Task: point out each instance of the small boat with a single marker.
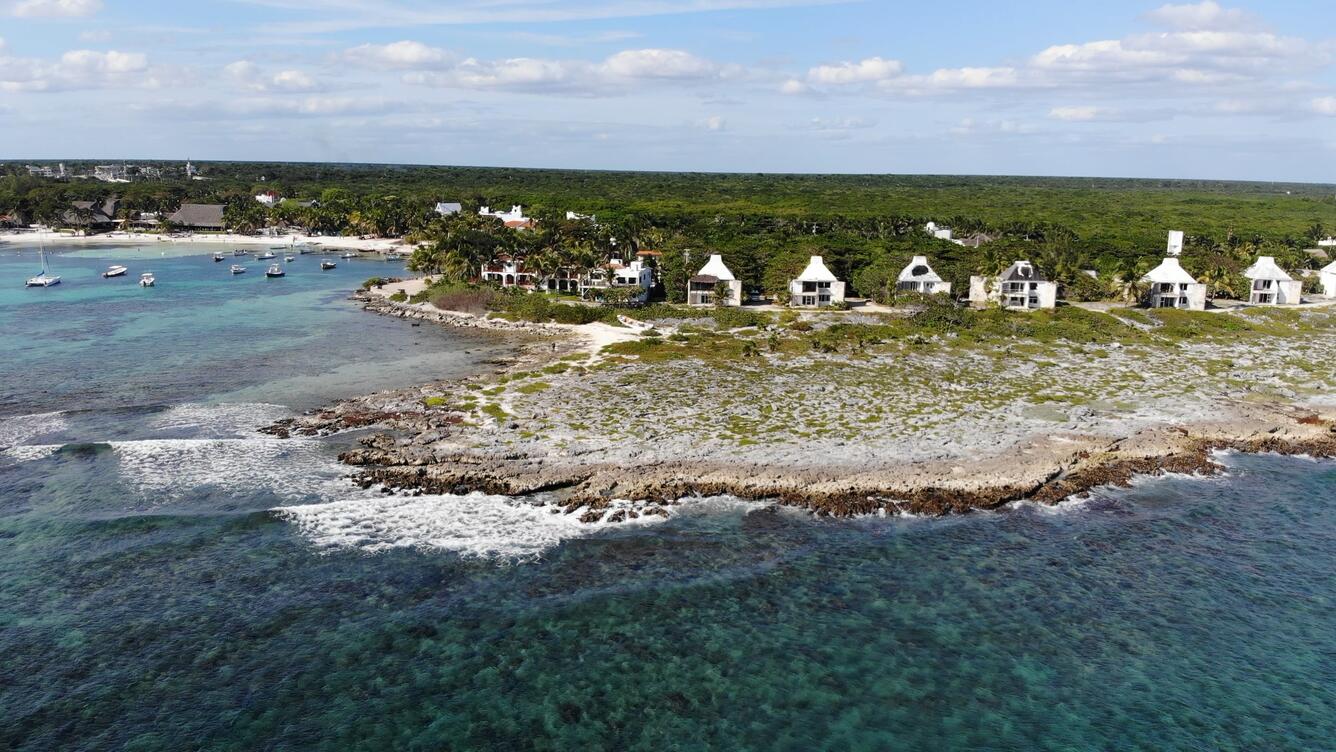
(274, 270)
(238, 269)
(289, 259)
(240, 252)
(264, 256)
(147, 279)
(278, 248)
(114, 271)
(44, 278)
(217, 257)
(327, 264)
(348, 256)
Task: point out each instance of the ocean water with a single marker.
(170, 579)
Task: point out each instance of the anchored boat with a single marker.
(147, 279)
(114, 271)
(238, 269)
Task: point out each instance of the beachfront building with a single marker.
(513, 219)
(508, 272)
(1271, 285)
(816, 287)
(92, 216)
(919, 277)
(1170, 286)
(636, 274)
(448, 208)
(1022, 287)
(714, 283)
(1328, 279)
(207, 217)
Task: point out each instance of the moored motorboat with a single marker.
(238, 269)
(274, 270)
(114, 271)
(327, 264)
(265, 256)
(289, 259)
(348, 255)
(217, 257)
(147, 279)
(240, 252)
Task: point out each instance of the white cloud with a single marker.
(405, 54)
(655, 63)
(250, 77)
(950, 79)
(1324, 105)
(715, 123)
(94, 35)
(76, 69)
(863, 71)
(793, 86)
(1074, 113)
(55, 8)
(1208, 15)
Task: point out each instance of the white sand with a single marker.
(365, 245)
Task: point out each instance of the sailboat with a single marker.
(45, 278)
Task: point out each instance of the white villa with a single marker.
(714, 279)
(1271, 285)
(514, 218)
(1328, 278)
(447, 208)
(919, 277)
(508, 272)
(268, 198)
(1020, 288)
(1172, 287)
(634, 274)
(941, 233)
(816, 287)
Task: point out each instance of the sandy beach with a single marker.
(361, 245)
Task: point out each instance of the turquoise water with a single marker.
(152, 598)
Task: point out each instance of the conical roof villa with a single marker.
(1022, 287)
(1328, 279)
(919, 277)
(714, 284)
(1272, 285)
(1172, 287)
(816, 287)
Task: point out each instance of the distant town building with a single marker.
(513, 219)
(816, 287)
(268, 198)
(1022, 287)
(1172, 287)
(1271, 285)
(945, 233)
(448, 208)
(714, 282)
(46, 171)
(199, 217)
(919, 277)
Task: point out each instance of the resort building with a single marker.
(714, 282)
(447, 208)
(1022, 287)
(92, 215)
(1328, 278)
(1172, 287)
(508, 272)
(617, 274)
(816, 287)
(1271, 285)
(199, 217)
(919, 277)
(513, 219)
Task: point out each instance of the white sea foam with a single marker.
(219, 421)
(290, 468)
(474, 525)
(30, 452)
(1066, 506)
(21, 428)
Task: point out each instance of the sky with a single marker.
(1212, 90)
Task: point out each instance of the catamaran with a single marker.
(45, 278)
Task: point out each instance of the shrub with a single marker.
(399, 297)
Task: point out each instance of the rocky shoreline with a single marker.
(430, 446)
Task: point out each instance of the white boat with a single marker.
(327, 264)
(217, 257)
(115, 271)
(147, 279)
(264, 256)
(348, 256)
(238, 269)
(240, 252)
(45, 278)
(289, 259)
(274, 270)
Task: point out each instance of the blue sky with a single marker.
(1143, 89)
